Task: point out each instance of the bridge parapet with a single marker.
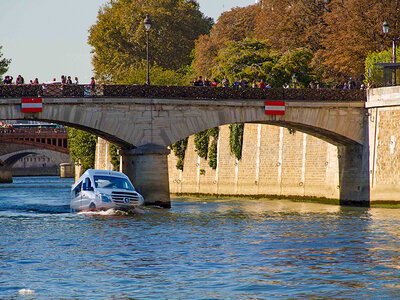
(178, 92)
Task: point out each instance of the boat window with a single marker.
(77, 189)
(110, 182)
(88, 183)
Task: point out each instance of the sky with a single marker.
(48, 38)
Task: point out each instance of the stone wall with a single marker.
(384, 138)
(274, 162)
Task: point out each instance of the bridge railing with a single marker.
(32, 131)
(180, 92)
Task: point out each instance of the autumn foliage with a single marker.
(339, 33)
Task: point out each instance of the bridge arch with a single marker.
(11, 153)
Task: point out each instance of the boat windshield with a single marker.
(110, 182)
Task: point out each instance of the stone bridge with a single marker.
(145, 120)
(11, 152)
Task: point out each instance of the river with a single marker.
(199, 249)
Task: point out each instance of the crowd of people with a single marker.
(244, 83)
(198, 81)
(64, 80)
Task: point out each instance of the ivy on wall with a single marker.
(212, 155)
(114, 157)
(212, 149)
(205, 148)
(201, 140)
(236, 139)
(179, 149)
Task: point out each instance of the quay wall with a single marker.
(384, 141)
(274, 162)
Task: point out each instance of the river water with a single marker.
(199, 249)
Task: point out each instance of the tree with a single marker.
(375, 74)
(119, 39)
(235, 25)
(354, 29)
(82, 148)
(289, 24)
(4, 63)
(255, 60)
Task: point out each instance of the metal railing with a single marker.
(12, 131)
(177, 92)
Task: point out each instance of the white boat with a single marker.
(102, 190)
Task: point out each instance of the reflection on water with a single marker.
(199, 249)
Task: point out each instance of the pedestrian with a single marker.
(286, 86)
(268, 86)
(262, 84)
(244, 83)
(20, 80)
(351, 84)
(236, 83)
(200, 81)
(195, 82)
(36, 81)
(225, 82)
(92, 82)
(69, 80)
(254, 85)
(345, 86)
(214, 83)
(76, 81)
(63, 79)
(207, 82)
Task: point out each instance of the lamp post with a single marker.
(385, 29)
(294, 80)
(147, 25)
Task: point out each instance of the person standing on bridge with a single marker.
(20, 80)
(92, 83)
(76, 81)
(225, 82)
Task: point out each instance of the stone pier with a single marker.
(147, 167)
(6, 174)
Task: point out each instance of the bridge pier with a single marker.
(354, 175)
(6, 174)
(147, 167)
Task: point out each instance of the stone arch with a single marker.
(130, 123)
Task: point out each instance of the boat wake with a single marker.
(112, 212)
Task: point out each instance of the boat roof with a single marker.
(93, 172)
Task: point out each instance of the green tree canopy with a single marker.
(374, 73)
(82, 147)
(119, 39)
(255, 60)
(4, 63)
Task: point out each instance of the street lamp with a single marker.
(294, 80)
(385, 29)
(147, 25)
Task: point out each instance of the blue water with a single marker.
(199, 249)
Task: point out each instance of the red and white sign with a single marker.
(275, 108)
(29, 105)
